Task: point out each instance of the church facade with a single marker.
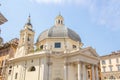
(58, 55)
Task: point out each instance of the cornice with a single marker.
(58, 55)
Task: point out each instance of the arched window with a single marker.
(16, 74)
(32, 68)
(41, 47)
(28, 38)
(58, 21)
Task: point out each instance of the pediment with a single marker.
(89, 51)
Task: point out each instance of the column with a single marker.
(96, 69)
(84, 71)
(79, 71)
(65, 71)
(93, 73)
(87, 72)
(50, 70)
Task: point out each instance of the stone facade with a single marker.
(7, 51)
(58, 55)
(110, 66)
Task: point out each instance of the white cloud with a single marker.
(49, 1)
(59, 1)
(103, 12)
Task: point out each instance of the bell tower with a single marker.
(26, 42)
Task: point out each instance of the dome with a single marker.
(59, 30)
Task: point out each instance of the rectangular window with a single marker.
(103, 62)
(104, 69)
(58, 45)
(117, 60)
(109, 61)
(74, 46)
(110, 68)
(118, 67)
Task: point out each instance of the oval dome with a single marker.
(59, 32)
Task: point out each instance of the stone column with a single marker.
(84, 71)
(66, 71)
(93, 73)
(96, 69)
(50, 70)
(79, 70)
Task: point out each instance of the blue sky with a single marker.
(96, 21)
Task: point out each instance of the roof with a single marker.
(112, 55)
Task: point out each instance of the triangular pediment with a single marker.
(89, 51)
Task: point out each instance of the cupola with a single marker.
(59, 20)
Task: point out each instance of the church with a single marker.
(57, 54)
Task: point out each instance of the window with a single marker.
(28, 39)
(9, 72)
(104, 69)
(16, 74)
(118, 67)
(110, 68)
(103, 62)
(32, 68)
(23, 39)
(61, 22)
(58, 21)
(117, 60)
(74, 46)
(41, 47)
(57, 45)
(10, 67)
(109, 61)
